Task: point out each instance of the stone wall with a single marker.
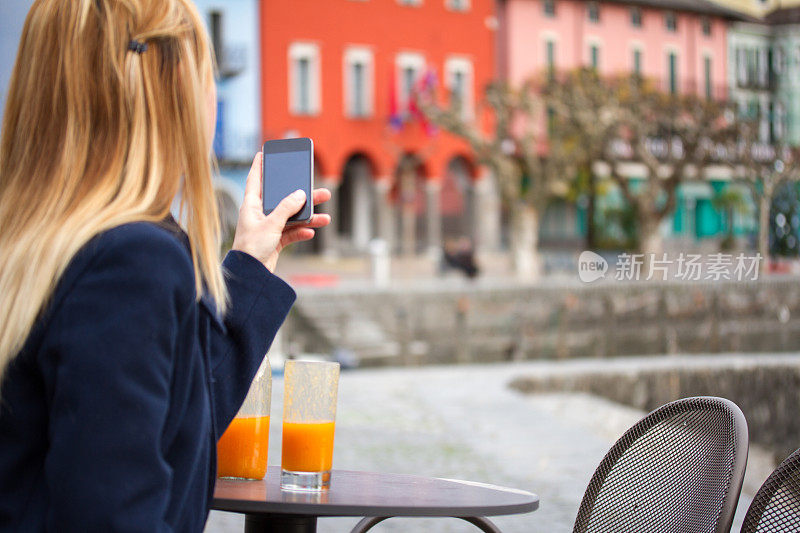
(484, 323)
(767, 389)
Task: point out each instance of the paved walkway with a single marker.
(464, 422)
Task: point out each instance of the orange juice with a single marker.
(307, 446)
(242, 449)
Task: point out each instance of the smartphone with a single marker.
(288, 165)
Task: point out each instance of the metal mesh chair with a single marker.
(678, 470)
(776, 505)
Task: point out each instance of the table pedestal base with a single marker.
(279, 523)
(484, 524)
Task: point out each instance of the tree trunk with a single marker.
(591, 234)
(728, 242)
(763, 231)
(408, 192)
(525, 241)
(650, 240)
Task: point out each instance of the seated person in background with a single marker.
(459, 254)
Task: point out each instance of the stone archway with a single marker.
(356, 217)
(409, 194)
(457, 199)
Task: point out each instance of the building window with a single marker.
(752, 109)
(671, 21)
(410, 67)
(593, 11)
(763, 66)
(672, 67)
(457, 5)
(708, 78)
(765, 110)
(549, 8)
(304, 82)
(773, 126)
(231, 60)
(303, 98)
(751, 66)
(215, 29)
(779, 60)
(797, 58)
(594, 56)
(778, 112)
(550, 58)
(358, 82)
(741, 67)
(637, 61)
(706, 23)
(409, 78)
(357, 90)
(459, 83)
(636, 17)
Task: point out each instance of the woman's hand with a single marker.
(264, 236)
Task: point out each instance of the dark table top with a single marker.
(373, 494)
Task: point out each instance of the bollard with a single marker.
(380, 262)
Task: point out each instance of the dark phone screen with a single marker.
(284, 173)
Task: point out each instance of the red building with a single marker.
(340, 72)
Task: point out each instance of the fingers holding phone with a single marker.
(319, 220)
(276, 211)
(302, 231)
(288, 208)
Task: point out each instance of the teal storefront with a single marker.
(695, 217)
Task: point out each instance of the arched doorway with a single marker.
(409, 197)
(356, 204)
(457, 199)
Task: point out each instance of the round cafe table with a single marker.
(375, 496)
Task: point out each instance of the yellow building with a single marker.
(757, 8)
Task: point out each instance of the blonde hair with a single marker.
(96, 135)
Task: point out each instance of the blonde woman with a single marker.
(126, 347)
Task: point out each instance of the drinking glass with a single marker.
(242, 449)
(309, 416)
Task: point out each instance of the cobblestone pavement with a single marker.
(465, 423)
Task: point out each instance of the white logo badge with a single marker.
(591, 267)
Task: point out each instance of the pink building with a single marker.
(681, 43)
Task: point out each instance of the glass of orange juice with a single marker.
(309, 416)
(242, 449)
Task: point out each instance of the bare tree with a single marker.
(764, 168)
(528, 169)
(407, 178)
(627, 119)
(584, 117)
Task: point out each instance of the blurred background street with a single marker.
(475, 149)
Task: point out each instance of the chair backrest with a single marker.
(776, 505)
(679, 469)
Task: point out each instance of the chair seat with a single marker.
(776, 505)
(679, 469)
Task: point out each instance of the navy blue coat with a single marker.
(111, 412)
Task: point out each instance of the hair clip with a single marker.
(137, 46)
